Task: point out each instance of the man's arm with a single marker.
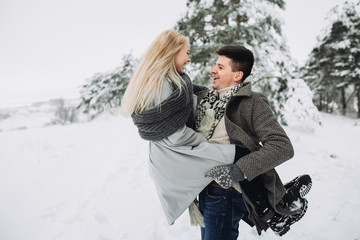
(276, 145)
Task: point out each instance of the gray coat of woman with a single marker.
(178, 161)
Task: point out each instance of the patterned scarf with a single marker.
(210, 101)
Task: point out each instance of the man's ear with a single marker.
(238, 77)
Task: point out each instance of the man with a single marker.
(232, 113)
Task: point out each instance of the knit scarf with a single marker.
(176, 111)
(210, 101)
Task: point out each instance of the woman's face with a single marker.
(182, 58)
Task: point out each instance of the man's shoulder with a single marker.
(257, 95)
(248, 102)
(249, 94)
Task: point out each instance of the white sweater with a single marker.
(220, 135)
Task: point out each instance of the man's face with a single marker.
(223, 75)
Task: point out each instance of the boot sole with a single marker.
(303, 183)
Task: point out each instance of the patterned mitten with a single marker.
(226, 175)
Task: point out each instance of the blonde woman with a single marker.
(160, 99)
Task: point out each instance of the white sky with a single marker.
(49, 47)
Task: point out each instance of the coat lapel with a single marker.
(237, 135)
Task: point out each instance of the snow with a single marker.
(90, 181)
(341, 45)
(299, 109)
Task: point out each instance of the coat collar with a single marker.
(244, 91)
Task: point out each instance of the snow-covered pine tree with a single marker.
(333, 67)
(105, 90)
(211, 24)
(255, 24)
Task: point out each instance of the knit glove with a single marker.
(226, 175)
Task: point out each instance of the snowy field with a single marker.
(90, 181)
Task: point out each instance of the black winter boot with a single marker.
(280, 224)
(297, 188)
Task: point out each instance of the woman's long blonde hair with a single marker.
(157, 63)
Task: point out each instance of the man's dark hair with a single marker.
(242, 59)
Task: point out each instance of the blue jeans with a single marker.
(222, 210)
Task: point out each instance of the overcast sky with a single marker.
(49, 47)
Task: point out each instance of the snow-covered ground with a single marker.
(90, 181)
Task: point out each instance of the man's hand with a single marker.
(226, 175)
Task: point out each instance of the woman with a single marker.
(161, 101)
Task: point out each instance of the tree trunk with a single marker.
(327, 103)
(358, 99)
(343, 100)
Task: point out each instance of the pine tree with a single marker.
(255, 24)
(252, 23)
(334, 63)
(105, 90)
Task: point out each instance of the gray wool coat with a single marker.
(250, 121)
